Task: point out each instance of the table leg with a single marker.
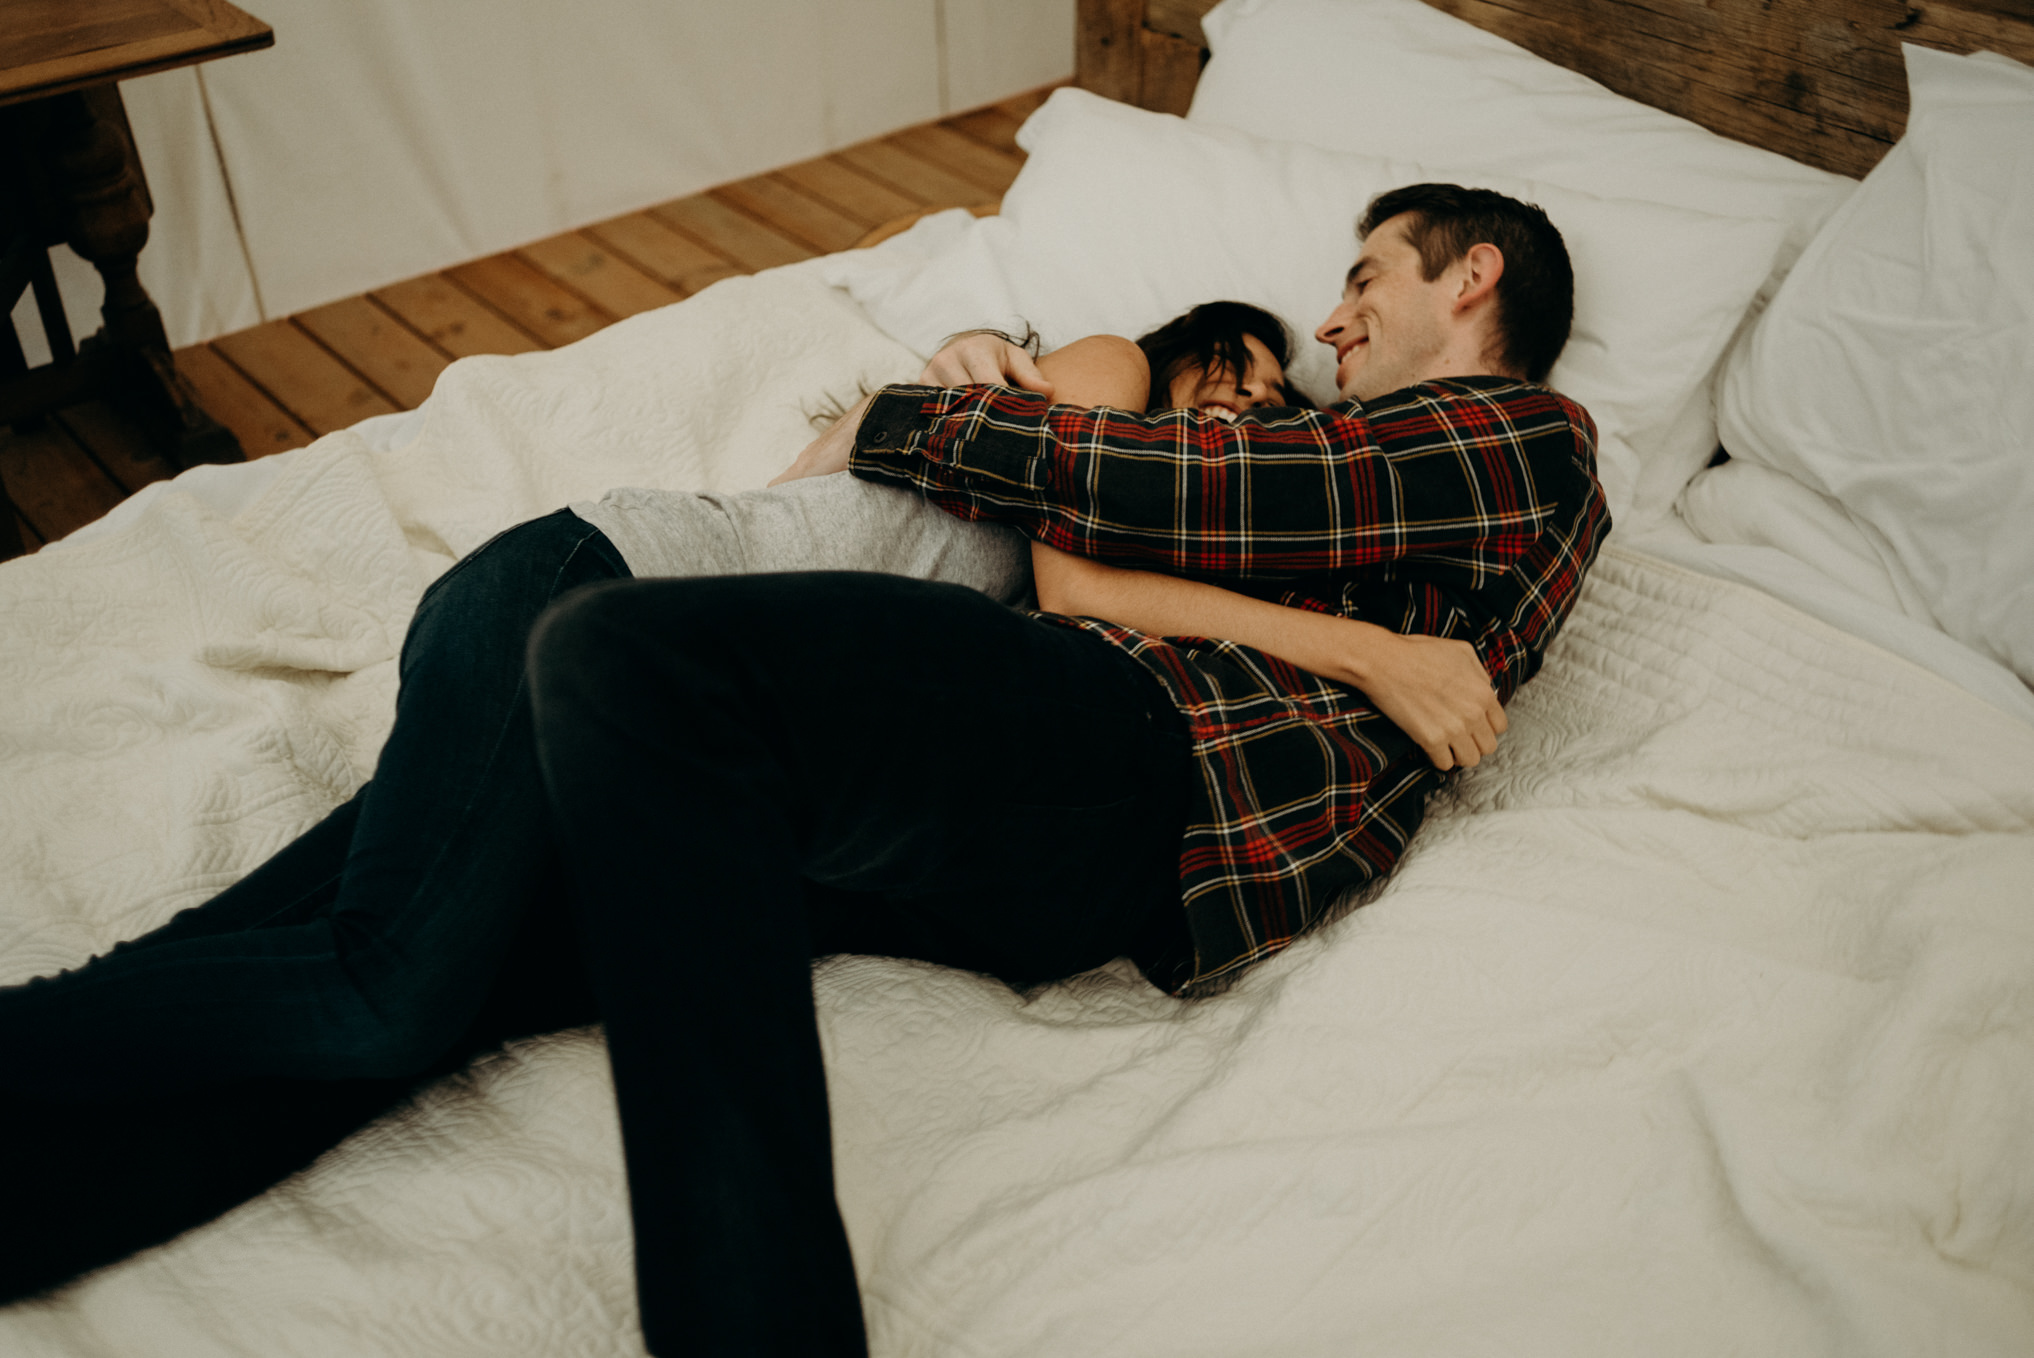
(103, 205)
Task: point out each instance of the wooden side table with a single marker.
(69, 173)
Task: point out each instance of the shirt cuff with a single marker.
(894, 429)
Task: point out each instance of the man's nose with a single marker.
(1329, 329)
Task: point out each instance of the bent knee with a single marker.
(580, 622)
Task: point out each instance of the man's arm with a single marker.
(972, 358)
(1439, 476)
(1435, 689)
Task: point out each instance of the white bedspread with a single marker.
(1699, 1020)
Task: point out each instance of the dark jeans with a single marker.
(747, 771)
(737, 775)
(368, 945)
(419, 923)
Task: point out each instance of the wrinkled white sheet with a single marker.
(1699, 1020)
(191, 682)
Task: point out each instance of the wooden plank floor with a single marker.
(280, 385)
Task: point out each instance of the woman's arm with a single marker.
(1433, 688)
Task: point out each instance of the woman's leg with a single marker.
(1012, 790)
(366, 949)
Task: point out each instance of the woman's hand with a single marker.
(976, 358)
(982, 357)
(829, 452)
(1432, 688)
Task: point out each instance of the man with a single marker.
(747, 772)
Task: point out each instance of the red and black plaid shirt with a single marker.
(1464, 508)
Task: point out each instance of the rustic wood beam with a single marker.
(1821, 81)
(1171, 67)
(1108, 59)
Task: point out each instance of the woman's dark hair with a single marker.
(1211, 337)
(1536, 291)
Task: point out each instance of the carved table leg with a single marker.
(103, 203)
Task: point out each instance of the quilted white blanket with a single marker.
(1699, 1020)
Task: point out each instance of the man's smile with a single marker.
(1344, 349)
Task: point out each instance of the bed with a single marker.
(1699, 1019)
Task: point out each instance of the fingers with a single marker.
(984, 360)
(974, 368)
(1479, 739)
(1438, 692)
(969, 360)
(1025, 373)
(1466, 742)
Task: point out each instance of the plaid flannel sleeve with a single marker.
(1297, 493)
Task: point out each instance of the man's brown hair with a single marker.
(1535, 293)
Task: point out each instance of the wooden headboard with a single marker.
(1818, 80)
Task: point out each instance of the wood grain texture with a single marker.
(603, 277)
(262, 426)
(897, 226)
(992, 126)
(680, 262)
(928, 184)
(302, 376)
(220, 19)
(122, 451)
(539, 304)
(790, 211)
(33, 31)
(1171, 68)
(453, 319)
(730, 232)
(1107, 58)
(399, 362)
(53, 485)
(54, 46)
(983, 166)
(832, 180)
(1821, 81)
(1179, 19)
(1022, 106)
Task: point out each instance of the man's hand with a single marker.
(1435, 690)
(829, 452)
(980, 358)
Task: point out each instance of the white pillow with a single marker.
(1742, 504)
(1894, 372)
(1399, 78)
(1122, 218)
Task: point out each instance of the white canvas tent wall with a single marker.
(380, 139)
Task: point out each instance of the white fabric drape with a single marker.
(380, 139)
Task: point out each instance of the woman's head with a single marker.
(1222, 358)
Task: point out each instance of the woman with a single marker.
(1221, 358)
(418, 924)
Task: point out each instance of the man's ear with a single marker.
(1476, 275)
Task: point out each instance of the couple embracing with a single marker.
(654, 754)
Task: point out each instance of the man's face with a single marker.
(1392, 325)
